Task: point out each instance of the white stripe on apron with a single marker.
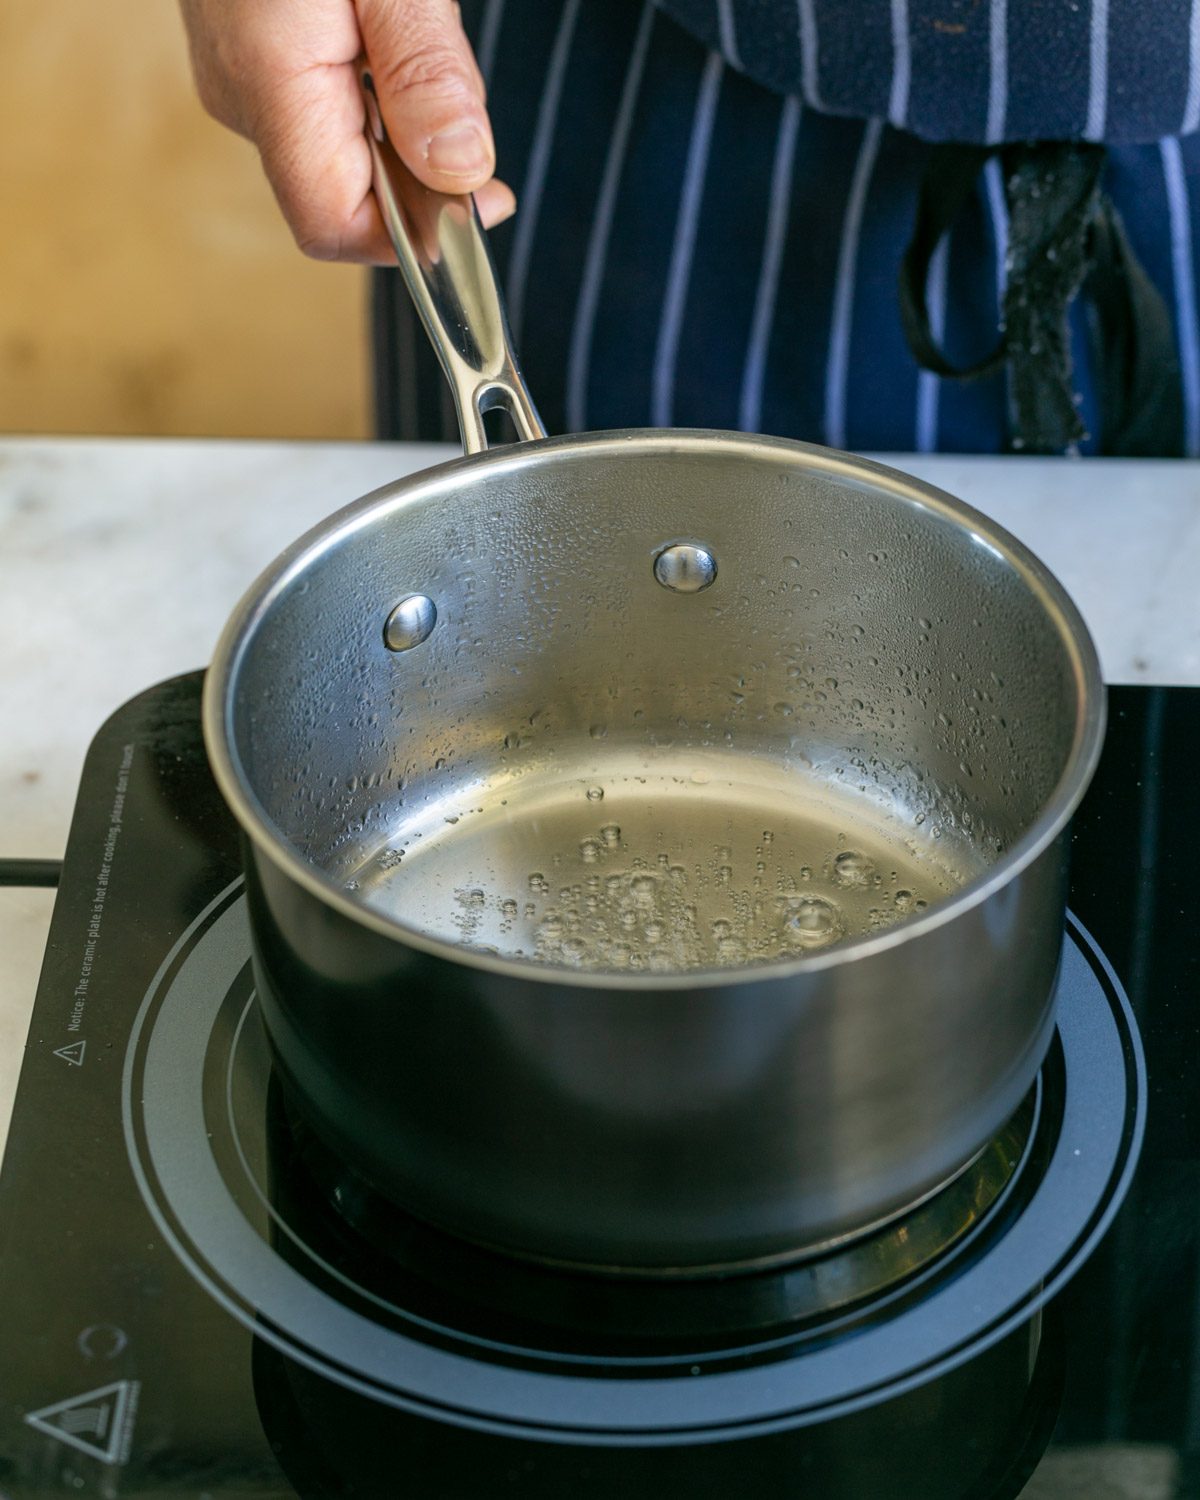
(1191, 109)
(728, 32)
(838, 358)
(535, 175)
(489, 35)
(1184, 275)
(694, 173)
(928, 384)
(901, 64)
(753, 372)
(1097, 113)
(993, 182)
(998, 74)
(579, 357)
(810, 53)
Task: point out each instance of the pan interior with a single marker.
(868, 674)
(667, 862)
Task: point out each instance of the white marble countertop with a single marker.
(120, 559)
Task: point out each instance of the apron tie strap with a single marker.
(1064, 235)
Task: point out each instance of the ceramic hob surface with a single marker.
(199, 1301)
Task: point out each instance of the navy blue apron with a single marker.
(715, 199)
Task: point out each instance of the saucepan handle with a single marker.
(445, 263)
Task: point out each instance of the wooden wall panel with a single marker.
(147, 282)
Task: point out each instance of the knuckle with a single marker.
(320, 246)
(436, 67)
(316, 235)
(315, 228)
(249, 55)
(320, 228)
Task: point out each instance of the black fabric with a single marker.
(1064, 235)
(948, 185)
(411, 398)
(1140, 388)
(385, 356)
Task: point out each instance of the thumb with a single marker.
(430, 91)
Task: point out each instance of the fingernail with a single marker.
(461, 150)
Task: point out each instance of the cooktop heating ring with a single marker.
(776, 1383)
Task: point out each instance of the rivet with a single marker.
(685, 568)
(410, 622)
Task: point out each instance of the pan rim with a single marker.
(269, 839)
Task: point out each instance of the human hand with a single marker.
(281, 72)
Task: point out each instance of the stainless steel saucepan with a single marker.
(655, 841)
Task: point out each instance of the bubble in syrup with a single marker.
(644, 888)
(814, 923)
(645, 895)
(595, 794)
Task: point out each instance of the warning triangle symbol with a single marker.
(72, 1054)
(98, 1422)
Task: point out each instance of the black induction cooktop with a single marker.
(198, 1300)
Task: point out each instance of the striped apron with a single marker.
(714, 197)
